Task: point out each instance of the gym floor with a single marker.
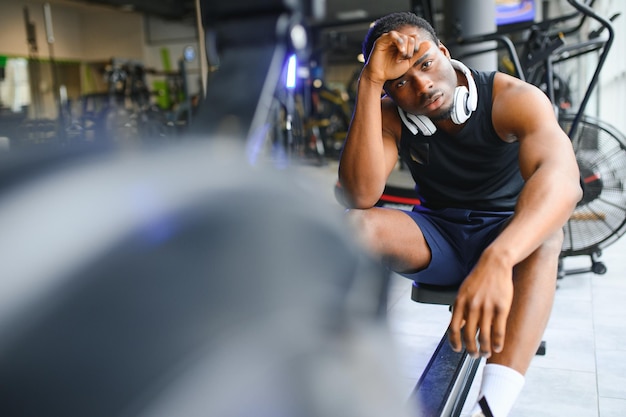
(582, 374)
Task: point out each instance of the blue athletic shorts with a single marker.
(456, 238)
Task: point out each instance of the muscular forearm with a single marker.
(362, 168)
(370, 151)
(544, 206)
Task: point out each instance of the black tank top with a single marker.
(473, 169)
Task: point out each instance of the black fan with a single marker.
(600, 217)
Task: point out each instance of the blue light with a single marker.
(291, 72)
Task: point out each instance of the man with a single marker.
(497, 178)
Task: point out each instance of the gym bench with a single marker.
(445, 382)
(443, 387)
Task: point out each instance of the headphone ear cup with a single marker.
(425, 125)
(460, 107)
(464, 101)
(417, 123)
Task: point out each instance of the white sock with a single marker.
(500, 386)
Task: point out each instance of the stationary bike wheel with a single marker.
(600, 217)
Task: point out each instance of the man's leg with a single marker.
(534, 281)
(392, 236)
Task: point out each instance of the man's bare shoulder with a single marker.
(509, 86)
(519, 107)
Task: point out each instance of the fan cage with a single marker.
(600, 217)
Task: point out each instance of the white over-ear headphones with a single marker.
(464, 103)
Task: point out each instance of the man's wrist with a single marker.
(371, 81)
(499, 256)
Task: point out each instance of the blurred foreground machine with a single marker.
(182, 281)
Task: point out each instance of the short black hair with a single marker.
(395, 21)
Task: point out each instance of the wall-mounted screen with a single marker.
(515, 12)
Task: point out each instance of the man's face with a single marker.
(427, 88)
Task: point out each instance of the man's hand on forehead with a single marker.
(408, 45)
(421, 48)
(394, 54)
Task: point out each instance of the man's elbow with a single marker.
(571, 192)
(362, 204)
(571, 185)
(354, 200)
(577, 191)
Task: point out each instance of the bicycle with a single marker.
(331, 115)
(291, 136)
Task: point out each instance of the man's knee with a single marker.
(364, 223)
(545, 257)
(553, 244)
(381, 231)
